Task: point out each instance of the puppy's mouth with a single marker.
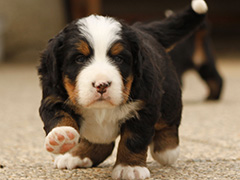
(103, 99)
(101, 102)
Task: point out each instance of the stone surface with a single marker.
(209, 133)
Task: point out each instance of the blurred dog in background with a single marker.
(196, 52)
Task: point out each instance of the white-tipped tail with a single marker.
(199, 6)
(168, 13)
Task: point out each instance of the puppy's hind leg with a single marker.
(165, 145)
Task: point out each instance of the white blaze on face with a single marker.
(100, 32)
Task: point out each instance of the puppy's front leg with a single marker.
(132, 152)
(60, 126)
(84, 154)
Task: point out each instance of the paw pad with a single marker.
(61, 139)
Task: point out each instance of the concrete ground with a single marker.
(210, 131)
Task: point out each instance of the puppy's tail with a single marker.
(177, 26)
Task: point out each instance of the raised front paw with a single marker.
(61, 139)
(70, 162)
(130, 172)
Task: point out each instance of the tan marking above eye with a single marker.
(83, 48)
(116, 48)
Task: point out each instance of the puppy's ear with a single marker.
(130, 36)
(50, 66)
(138, 64)
(137, 57)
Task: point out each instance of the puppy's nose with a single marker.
(101, 87)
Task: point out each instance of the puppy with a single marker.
(102, 78)
(195, 52)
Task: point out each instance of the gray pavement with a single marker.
(210, 131)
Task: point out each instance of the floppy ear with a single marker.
(50, 66)
(138, 64)
(137, 57)
(130, 36)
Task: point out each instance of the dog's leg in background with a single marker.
(208, 71)
(210, 75)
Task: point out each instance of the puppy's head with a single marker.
(94, 61)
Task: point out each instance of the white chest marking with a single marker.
(103, 125)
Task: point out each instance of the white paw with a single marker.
(70, 162)
(61, 139)
(167, 157)
(130, 172)
(199, 6)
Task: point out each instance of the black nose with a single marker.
(101, 87)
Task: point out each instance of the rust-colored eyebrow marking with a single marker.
(83, 48)
(116, 48)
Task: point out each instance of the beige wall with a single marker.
(28, 24)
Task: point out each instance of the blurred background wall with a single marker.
(27, 25)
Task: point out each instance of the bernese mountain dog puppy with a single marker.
(195, 52)
(102, 78)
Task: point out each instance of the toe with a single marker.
(53, 142)
(49, 148)
(66, 147)
(70, 135)
(60, 137)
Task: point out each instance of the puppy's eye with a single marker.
(118, 59)
(81, 58)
